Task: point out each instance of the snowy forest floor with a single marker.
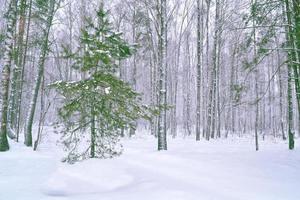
(216, 170)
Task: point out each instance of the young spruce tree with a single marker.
(97, 108)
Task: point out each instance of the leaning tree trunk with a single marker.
(4, 146)
(41, 65)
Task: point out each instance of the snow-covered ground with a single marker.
(216, 170)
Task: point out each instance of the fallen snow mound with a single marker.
(86, 178)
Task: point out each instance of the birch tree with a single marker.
(162, 97)
(291, 56)
(5, 78)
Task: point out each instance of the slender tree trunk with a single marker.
(209, 106)
(199, 68)
(256, 123)
(134, 75)
(187, 96)
(232, 86)
(281, 104)
(220, 13)
(290, 111)
(280, 85)
(93, 134)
